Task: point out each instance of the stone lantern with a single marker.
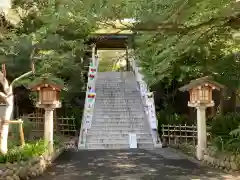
(49, 99)
(200, 92)
(48, 95)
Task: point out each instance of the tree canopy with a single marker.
(174, 40)
(51, 34)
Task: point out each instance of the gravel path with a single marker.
(161, 164)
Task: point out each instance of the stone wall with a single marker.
(28, 169)
(226, 161)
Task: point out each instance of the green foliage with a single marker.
(15, 132)
(51, 33)
(172, 118)
(165, 117)
(24, 153)
(223, 125)
(230, 144)
(225, 132)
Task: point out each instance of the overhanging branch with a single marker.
(20, 77)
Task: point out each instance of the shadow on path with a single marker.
(161, 164)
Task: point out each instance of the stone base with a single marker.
(29, 169)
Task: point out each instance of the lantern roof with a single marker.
(201, 81)
(44, 83)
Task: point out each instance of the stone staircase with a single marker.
(118, 112)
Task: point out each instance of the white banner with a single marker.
(143, 88)
(91, 80)
(151, 110)
(89, 109)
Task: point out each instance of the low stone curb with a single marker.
(31, 168)
(224, 162)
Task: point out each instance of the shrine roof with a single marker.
(201, 81)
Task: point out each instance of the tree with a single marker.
(56, 32)
(8, 97)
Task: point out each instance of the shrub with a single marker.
(15, 134)
(225, 131)
(24, 153)
(223, 125)
(164, 117)
(170, 118)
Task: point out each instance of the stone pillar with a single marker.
(48, 129)
(201, 131)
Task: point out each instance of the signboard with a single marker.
(91, 81)
(132, 140)
(90, 101)
(87, 121)
(143, 88)
(151, 110)
(89, 109)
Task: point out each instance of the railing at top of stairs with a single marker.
(89, 101)
(149, 105)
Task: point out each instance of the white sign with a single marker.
(88, 110)
(91, 81)
(91, 97)
(87, 121)
(143, 88)
(151, 110)
(132, 140)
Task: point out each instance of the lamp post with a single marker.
(49, 99)
(200, 92)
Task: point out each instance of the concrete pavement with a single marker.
(132, 164)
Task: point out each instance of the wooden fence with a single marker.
(62, 125)
(179, 134)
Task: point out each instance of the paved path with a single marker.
(161, 164)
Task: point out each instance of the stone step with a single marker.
(109, 112)
(118, 123)
(117, 107)
(126, 106)
(116, 102)
(117, 126)
(118, 110)
(117, 135)
(120, 131)
(117, 96)
(106, 99)
(121, 105)
(115, 118)
(118, 117)
(117, 146)
(103, 97)
(117, 89)
(116, 141)
(97, 121)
